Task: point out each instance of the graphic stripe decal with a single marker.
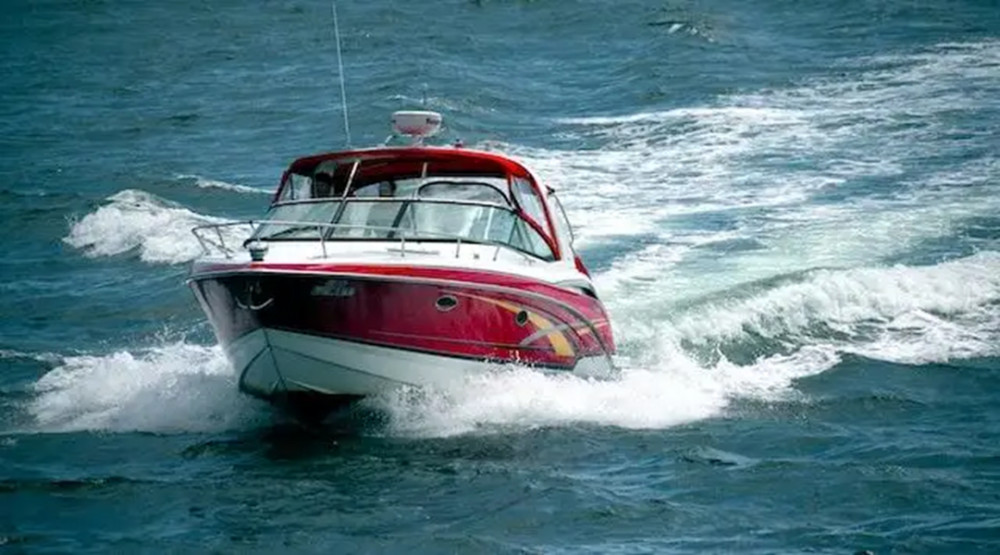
(560, 344)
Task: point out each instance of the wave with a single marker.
(677, 391)
(205, 183)
(825, 173)
(176, 387)
(133, 220)
(180, 387)
(899, 313)
(802, 157)
(837, 297)
(757, 343)
(794, 328)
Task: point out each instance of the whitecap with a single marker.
(175, 387)
(134, 220)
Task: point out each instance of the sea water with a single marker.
(791, 212)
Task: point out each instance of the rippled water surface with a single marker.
(792, 212)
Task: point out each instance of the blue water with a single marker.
(792, 211)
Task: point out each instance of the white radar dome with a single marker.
(416, 123)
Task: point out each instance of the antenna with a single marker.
(340, 66)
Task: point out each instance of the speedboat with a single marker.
(399, 265)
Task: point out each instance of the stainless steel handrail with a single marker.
(422, 200)
(401, 233)
(221, 245)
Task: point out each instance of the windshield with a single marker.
(427, 209)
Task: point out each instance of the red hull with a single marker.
(460, 313)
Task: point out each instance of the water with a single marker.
(791, 212)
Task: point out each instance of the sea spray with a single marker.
(175, 387)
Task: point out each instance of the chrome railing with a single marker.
(204, 235)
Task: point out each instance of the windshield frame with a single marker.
(395, 232)
(427, 162)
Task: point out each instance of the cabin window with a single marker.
(296, 187)
(528, 200)
(476, 223)
(327, 182)
(323, 181)
(466, 189)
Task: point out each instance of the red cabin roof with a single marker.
(454, 158)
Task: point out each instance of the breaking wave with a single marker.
(133, 220)
(177, 387)
(898, 313)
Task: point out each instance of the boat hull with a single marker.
(276, 362)
(341, 331)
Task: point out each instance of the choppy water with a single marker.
(791, 210)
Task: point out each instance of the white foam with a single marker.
(919, 337)
(900, 313)
(205, 183)
(772, 151)
(908, 314)
(176, 387)
(158, 229)
(755, 163)
(673, 391)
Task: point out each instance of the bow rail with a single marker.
(323, 230)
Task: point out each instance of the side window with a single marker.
(529, 201)
(525, 237)
(296, 187)
(562, 222)
(327, 181)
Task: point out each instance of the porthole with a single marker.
(446, 303)
(521, 318)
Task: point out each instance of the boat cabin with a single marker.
(418, 193)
